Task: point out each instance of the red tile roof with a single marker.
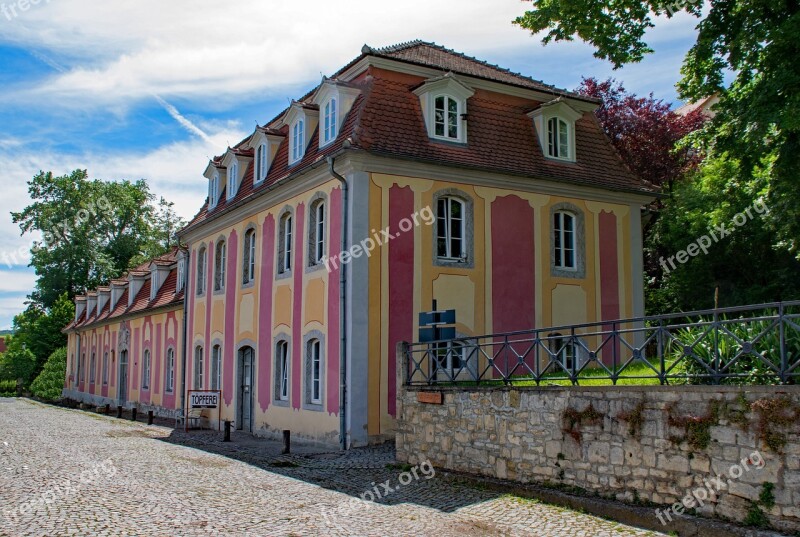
(386, 120)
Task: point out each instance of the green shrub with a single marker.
(50, 382)
(765, 340)
(8, 388)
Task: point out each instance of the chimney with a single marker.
(80, 306)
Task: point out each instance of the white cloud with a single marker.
(16, 281)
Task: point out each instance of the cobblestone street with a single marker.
(68, 472)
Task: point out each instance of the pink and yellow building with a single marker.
(126, 342)
(504, 201)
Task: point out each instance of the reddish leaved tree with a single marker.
(645, 131)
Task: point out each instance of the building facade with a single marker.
(412, 174)
(451, 180)
(124, 346)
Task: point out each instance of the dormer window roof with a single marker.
(555, 126)
(235, 162)
(264, 142)
(444, 107)
(212, 173)
(334, 99)
(302, 119)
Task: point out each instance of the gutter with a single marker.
(342, 311)
(186, 291)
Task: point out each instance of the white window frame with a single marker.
(283, 370)
(233, 173)
(216, 367)
(202, 267)
(448, 353)
(315, 362)
(447, 98)
(146, 357)
(93, 365)
(249, 257)
(447, 224)
(298, 140)
(213, 191)
(220, 262)
(316, 230)
(170, 380)
(198, 368)
(561, 245)
(261, 162)
(181, 274)
(562, 137)
(330, 121)
(285, 243)
(105, 368)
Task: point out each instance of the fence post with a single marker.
(782, 330)
(403, 363)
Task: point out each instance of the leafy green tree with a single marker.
(758, 116)
(17, 363)
(50, 382)
(92, 231)
(40, 331)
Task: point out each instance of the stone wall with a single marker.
(659, 444)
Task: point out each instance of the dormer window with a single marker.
(555, 126)
(233, 174)
(558, 138)
(261, 162)
(213, 191)
(329, 131)
(298, 141)
(444, 107)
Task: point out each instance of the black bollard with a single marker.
(119, 411)
(133, 414)
(227, 431)
(108, 409)
(287, 442)
(149, 417)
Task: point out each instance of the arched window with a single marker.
(82, 367)
(450, 228)
(105, 367)
(92, 368)
(170, 376)
(316, 231)
(198, 368)
(298, 141)
(202, 261)
(219, 266)
(249, 257)
(282, 370)
(261, 163)
(446, 117)
(558, 138)
(329, 131)
(564, 240)
(285, 244)
(233, 177)
(216, 367)
(146, 370)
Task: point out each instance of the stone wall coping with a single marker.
(681, 388)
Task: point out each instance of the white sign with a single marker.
(204, 399)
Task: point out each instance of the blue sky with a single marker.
(142, 89)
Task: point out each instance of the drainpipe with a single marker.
(186, 291)
(342, 313)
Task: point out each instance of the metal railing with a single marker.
(756, 344)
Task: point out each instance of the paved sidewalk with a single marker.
(67, 472)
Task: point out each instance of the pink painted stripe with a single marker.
(135, 362)
(209, 304)
(170, 398)
(513, 275)
(401, 284)
(609, 276)
(297, 309)
(231, 276)
(157, 386)
(189, 344)
(265, 314)
(334, 336)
